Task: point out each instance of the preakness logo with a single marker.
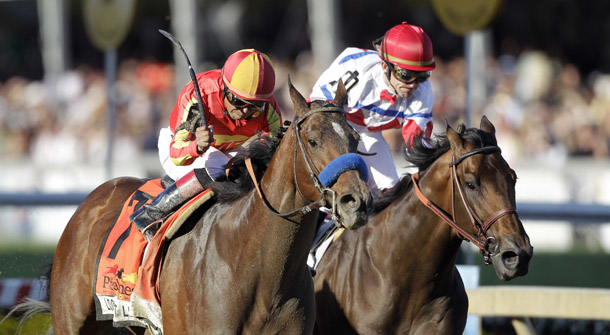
(120, 283)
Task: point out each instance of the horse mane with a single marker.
(260, 153)
(424, 154)
(239, 182)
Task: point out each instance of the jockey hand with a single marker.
(258, 136)
(205, 137)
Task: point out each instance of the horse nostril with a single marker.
(510, 259)
(349, 201)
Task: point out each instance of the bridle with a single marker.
(324, 191)
(481, 240)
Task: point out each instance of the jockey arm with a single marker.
(418, 117)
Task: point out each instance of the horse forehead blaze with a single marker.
(338, 129)
(332, 129)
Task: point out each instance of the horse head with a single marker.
(327, 146)
(486, 184)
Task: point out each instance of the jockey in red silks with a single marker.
(238, 104)
(387, 88)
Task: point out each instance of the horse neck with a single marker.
(292, 235)
(278, 182)
(419, 238)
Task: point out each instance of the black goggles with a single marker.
(240, 103)
(408, 76)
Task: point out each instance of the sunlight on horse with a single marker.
(237, 266)
(397, 275)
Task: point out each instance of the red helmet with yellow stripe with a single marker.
(408, 47)
(248, 73)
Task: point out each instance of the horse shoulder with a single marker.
(446, 312)
(340, 277)
(207, 250)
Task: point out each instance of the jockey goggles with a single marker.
(257, 106)
(409, 76)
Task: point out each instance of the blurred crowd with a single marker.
(542, 109)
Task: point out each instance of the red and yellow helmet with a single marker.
(248, 73)
(408, 47)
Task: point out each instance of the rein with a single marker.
(313, 173)
(481, 240)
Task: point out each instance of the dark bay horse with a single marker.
(241, 269)
(397, 274)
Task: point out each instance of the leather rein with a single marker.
(481, 240)
(313, 173)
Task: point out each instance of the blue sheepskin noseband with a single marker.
(350, 161)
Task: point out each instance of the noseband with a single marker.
(345, 162)
(481, 240)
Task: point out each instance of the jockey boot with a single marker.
(148, 218)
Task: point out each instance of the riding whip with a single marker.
(175, 41)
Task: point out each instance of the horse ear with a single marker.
(454, 138)
(487, 126)
(300, 104)
(341, 95)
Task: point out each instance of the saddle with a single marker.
(126, 284)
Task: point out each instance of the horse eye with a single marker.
(312, 143)
(471, 186)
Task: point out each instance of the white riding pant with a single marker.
(214, 160)
(382, 172)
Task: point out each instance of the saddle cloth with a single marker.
(127, 268)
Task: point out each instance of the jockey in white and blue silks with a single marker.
(387, 89)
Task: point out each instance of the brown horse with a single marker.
(241, 268)
(397, 274)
